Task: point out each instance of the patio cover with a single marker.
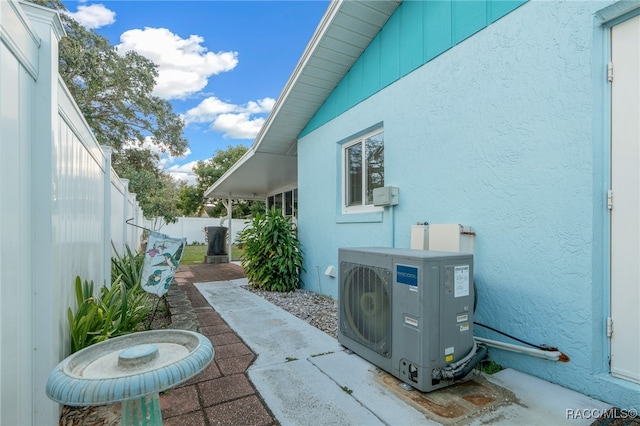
(346, 29)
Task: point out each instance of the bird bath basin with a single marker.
(131, 369)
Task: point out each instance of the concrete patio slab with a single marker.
(306, 377)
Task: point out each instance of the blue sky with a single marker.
(222, 64)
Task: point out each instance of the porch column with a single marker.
(229, 208)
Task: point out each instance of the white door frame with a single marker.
(625, 201)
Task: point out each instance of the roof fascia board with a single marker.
(325, 23)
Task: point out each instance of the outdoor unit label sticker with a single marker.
(461, 281)
(407, 275)
(448, 354)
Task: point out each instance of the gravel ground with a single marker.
(319, 311)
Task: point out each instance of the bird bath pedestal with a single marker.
(131, 369)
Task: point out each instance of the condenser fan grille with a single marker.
(366, 307)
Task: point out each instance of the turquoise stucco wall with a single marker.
(504, 132)
(415, 34)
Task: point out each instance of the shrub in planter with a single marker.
(272, 258)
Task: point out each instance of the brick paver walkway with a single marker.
(222, 394)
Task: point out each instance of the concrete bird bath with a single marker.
(131, 369)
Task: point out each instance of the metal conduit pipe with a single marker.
(549, 355)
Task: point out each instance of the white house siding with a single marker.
(55, 211)
(504, 132)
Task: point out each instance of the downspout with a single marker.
(393, 225)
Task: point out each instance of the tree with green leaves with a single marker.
(114, 93)
(208, 172)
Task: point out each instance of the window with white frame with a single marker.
(363, 170)
(286, 201)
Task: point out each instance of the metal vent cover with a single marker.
(365, 314)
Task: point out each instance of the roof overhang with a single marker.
(345, 31)
(255, 176)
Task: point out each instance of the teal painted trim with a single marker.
(469, 17)
(341, 97)
(498, 9)
(601, 134)
(601, 261)
(356, 86)
(412, 36)
(437, 28)
(416, 33)
(390, 51)
(371, 62)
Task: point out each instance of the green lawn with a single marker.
(195, 254)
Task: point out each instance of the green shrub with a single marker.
(272, 258)
(127, 268)
(119, 310)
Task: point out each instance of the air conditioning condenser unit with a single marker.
(410, 312)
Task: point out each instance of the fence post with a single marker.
(125, 211)
(44, 286)
(107, 214)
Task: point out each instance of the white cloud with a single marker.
(183, 172)
(237, 126)
(184, 65)
(234, 121)
(93, 16)
(263, 105)
(208, 110)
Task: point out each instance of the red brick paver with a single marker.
(222, 394)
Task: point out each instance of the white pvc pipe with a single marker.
(550, 355)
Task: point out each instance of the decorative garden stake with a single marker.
(131, 369)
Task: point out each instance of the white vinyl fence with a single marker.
(61, 206)
(192, 228)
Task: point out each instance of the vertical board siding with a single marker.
(370, 60)
(468, 17)
(356, 76)
(193, 228)
(390, 52)
(16, 89)
(78, 206)
(437, 28)
(117, 213)
(500, 8)
(411, 34)
(50, 163)
(416, 33)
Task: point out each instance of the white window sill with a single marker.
(364, 217)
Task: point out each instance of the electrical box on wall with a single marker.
(385, 196)
(442, 237)
(420, 236)
(451, 237)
